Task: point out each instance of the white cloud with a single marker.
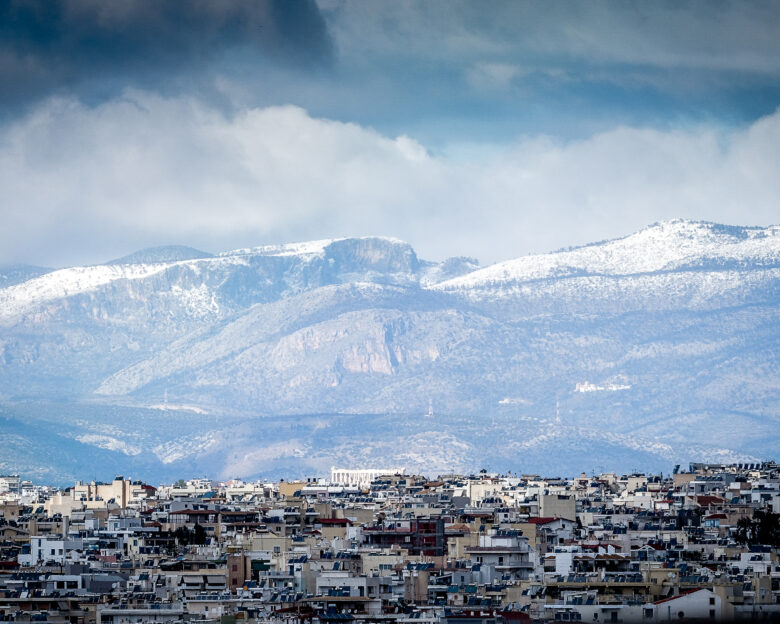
(81, 184)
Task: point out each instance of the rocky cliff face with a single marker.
(662, 344)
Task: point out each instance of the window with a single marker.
(712, 600)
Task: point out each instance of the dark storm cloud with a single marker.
(497, 68)
(96, 46)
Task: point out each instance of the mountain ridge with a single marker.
(166, 253)
(677, 233)
(667, 328)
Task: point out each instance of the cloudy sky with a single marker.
(485, 128)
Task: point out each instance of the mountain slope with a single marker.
(673, 246)
(18, 273)
(666, 341)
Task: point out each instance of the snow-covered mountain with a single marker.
(298, 356)
(16, 273)
(673, 265)
(664, 247)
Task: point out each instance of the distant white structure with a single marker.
(10, 484)
(589, 387)
(345, 476)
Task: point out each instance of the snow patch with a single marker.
(586, 386)
(175, 450)
(178, 408)
(514, 401)
(109, 443)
